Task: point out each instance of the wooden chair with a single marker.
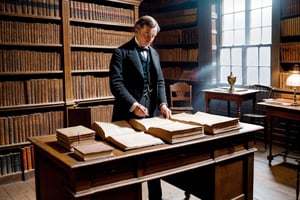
(258, 114)
(181, 97)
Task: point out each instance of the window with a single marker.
(245, 43)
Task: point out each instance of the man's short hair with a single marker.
(148, 21)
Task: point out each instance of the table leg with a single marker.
(207, 105)
(238, 104)
(228, 108)
(269, 125)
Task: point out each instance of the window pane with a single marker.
(225, 57)
(227, 38)
(252, 56)
(237, 71)
(239, 20)
(265, 76)
(239, 5)
(227, 6)
(255, 4)
(239, 37)
(225, 71)
(236, 37)
(255, 18)
(266, 3)
(265, 56)
(267, 16)
(255, 36)
(236, 56)
(228, 22)
(252, 75)
(266, 37)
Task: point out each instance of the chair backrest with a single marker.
(181, 94)
(265, 92)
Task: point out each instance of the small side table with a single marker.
(238, 95)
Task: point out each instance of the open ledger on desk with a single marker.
(213, 124)
(134, 134)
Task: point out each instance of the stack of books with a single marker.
(74, 135)
(93, 150)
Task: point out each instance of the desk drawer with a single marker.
(173, 158)
(97, 175)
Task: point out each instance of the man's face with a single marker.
(146, 35)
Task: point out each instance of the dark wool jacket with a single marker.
(127, 82)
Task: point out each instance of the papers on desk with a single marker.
(279, 101)
(226, 89)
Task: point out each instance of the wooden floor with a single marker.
(276, 182)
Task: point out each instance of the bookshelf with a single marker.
(289, 40)
(186, 42)
(54, 56)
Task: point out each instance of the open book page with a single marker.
(163, 125)
(123, 135)
(105, 129)
(132, 141)
(213, 124)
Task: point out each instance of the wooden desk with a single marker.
(238, 96)
(221, 167)
(281, 111)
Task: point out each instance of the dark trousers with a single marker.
(154, 189)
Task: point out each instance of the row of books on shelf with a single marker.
(179, 54)
(93, 11)
(184, 16)
(289, 52)
(137, 133)
(97, 36)
(17, 161)
(31, 7)
(16, 129)
(290, 8)
(89, 60)
(185, 35)
(29, 61)
(90, 86)
(164, 3)
(33, 91)
(23, 32)
(10, 163)
(179, 74)
(173, 72)
(290, 26)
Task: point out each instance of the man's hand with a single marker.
(167, 113)
(141, 111)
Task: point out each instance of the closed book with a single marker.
(93, 150)
(74, 135)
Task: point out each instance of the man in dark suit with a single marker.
(137, 82)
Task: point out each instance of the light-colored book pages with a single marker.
(123, 135)
(132, 141)
(163, 125)
(211, 119)
(145, 123)
(106, 129)
(212, 123)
